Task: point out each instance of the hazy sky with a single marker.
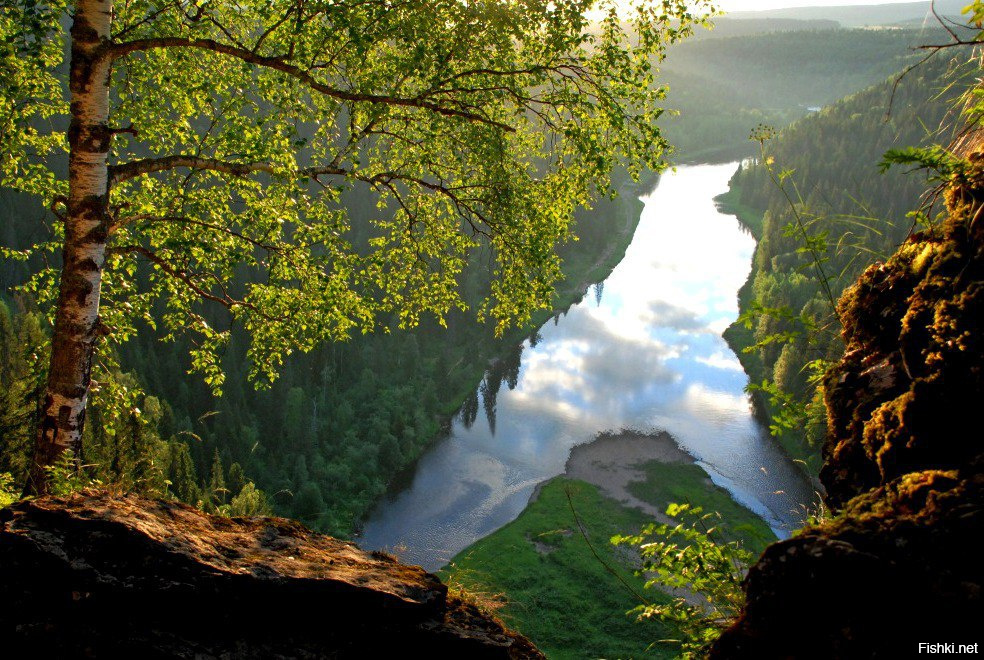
(752, 5)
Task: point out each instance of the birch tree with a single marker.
(209, 141)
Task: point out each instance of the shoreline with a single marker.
(568, 294)
(612, 461)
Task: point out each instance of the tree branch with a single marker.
(281, 63)
(181, 275)
(178, 219)
(120, 173)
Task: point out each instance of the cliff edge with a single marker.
(100, 576)
(896, 565)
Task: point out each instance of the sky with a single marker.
(753, 5)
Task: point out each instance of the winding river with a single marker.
(644, 352)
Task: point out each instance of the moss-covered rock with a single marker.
(905, 396)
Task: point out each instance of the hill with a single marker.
(857, 213)
(860, 15)
(723, 87)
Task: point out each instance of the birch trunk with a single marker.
(86, 229)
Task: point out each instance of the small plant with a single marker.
(814, 514)
(66, 476)
(697, 563)
(251, 501)
(8, 494)
(461, 584)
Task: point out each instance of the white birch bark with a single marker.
(86, 224)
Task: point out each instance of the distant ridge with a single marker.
(863, 15)
(729, 26)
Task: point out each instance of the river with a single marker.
(644, 352)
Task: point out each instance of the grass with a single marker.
(688, 483)
(547, 583)
(555, 591)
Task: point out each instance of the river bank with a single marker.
(615, 460)
(553, 572)
(740, 337)
(642, 351)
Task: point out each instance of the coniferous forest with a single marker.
(860, 212)
(452, 280)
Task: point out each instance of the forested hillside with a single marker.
(334, 430)
(342, 421)
(850, 211)
(885, 13)
(723, 87)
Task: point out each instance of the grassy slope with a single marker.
(560, 595)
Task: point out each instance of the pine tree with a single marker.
(218, 493)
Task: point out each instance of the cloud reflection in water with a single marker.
(647, 355)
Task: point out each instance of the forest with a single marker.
(358, 413)
(857, 213)
(261, 267)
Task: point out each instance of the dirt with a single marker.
(612, 462)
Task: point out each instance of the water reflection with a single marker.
(645, 353)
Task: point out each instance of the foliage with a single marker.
(8, 493)
(818, 190)
(67, 476)
(693, 556)
(337, 169)
(664, 483)
(125, 446)
(22, 349)
(471, 126)
(249, 502)
(345, 418)
(942, 164)
(31, 50)
(975, 16)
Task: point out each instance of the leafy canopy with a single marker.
(475, 127)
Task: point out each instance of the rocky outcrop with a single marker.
(102, 576)
(899, 562)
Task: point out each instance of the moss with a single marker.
(903, 394)
(903, 463)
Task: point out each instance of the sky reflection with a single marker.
(647, 356)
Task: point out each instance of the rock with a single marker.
(101, 576)
(896, 568)
(897, 563)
